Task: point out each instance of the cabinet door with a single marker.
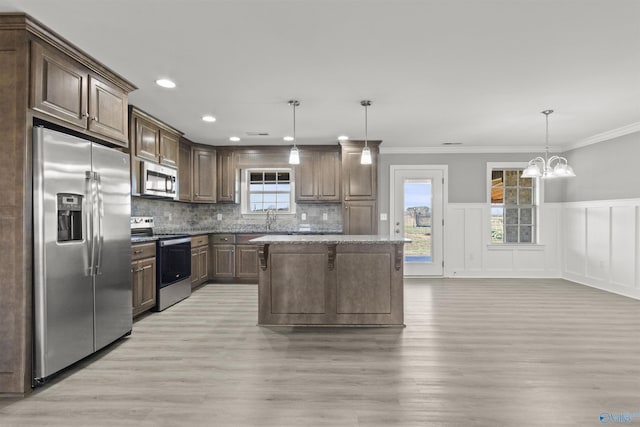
(247, 262)
(360, 218)
(359, 181)
(195, 268)
(226, 170)
(146, 140)
(223, 261)
(203, 255)
(58, 86)
(204, 175)
(184, 172)
(168, 149)
(108, 110)
(306, 185)
(328, 176)
(144, 280)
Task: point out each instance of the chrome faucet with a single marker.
(271, 218)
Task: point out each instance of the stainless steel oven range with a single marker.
(173, 262)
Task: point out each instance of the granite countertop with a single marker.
(201, 232)
(144, 239)
(330, 239)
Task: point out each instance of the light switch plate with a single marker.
(383, 217)
(303, 216)
(219, 217)
(325, 216)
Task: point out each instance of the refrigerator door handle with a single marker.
(100, 211)
(89, 219)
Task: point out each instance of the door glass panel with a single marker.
(417, 220)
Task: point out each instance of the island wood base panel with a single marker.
(330, 285)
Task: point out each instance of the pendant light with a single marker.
(294, 154)
(544, 167)
(365, 158)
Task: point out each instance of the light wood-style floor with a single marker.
(474, 353)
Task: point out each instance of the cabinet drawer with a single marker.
(197, 241)
(243, 239)
(143, 250)
(223, 238)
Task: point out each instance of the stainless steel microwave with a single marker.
(159, 181)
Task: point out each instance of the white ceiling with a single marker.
(476, 72)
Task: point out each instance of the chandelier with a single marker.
(548, 167)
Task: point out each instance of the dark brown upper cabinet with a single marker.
(185, 175)
(359, 182)
(68, 91)
(226, 176)
(154, 140)
(318, 176)
(204, 174)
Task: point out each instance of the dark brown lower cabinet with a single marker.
(247, 262)
(234, 259)
(143, 277)
(199, 260)
(223, 262)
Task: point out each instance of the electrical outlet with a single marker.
(303, 216)
(325, 216)
(219, 217)
(383, 217)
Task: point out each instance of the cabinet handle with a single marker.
(139, 251)
(94, 118)
(225, 239)
(85, 115)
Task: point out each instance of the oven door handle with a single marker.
(171, 242)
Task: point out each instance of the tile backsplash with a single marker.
(173, 216)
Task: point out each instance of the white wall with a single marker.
(601, 245)
(585, 237)
(468, 252)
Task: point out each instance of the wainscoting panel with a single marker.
(598, 223)
(623, 246)
(574, 227)
(470, 254)
(602, 245)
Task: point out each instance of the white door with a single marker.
(417, 204)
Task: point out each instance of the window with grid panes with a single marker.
(269, 190)
(513, 207)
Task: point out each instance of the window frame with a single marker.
(538, 199)
(244, 191)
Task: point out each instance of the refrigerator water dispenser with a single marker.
(69, 217)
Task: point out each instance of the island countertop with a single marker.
(329, 239)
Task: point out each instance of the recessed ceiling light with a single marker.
(343, 138)
(288, 138)
(234, 139)
(209, 119)
(166, 83)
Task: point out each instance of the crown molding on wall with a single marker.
(458, 149)
(605, 136)
(601, 137)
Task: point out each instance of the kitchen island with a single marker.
(330, 280)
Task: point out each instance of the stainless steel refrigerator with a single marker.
(82, 249)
